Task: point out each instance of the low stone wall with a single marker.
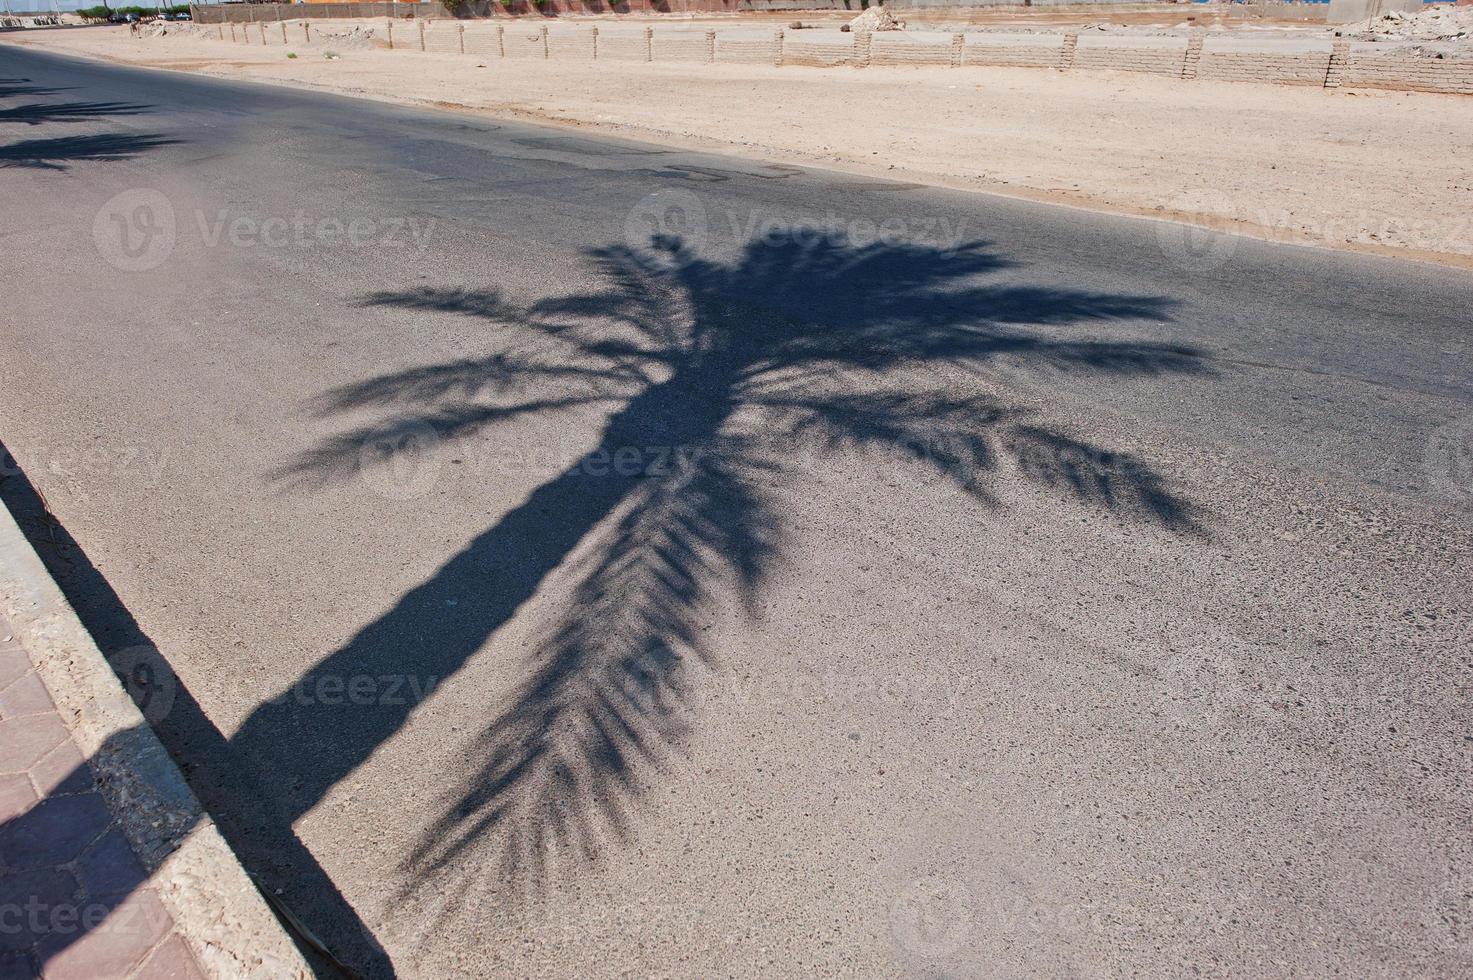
(1372, 66)
(813, 54)
(1267, 60)
(1014, 50)
(746, 52)
(1156, 55)
(237, 13)
(214, 13)
(896, 48)
(1310, 61)
(621, 47)
(253, 13)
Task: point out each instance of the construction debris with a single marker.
(1432, 24)
(874, 19)
(348, 36)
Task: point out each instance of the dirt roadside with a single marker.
(1370, 171)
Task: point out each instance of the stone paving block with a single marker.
(27, 739)
(25, 696)
(109, 867)
(16, 795)
(171, 961)
(63, 771)
(14, 663)
(17, 966)
(120, 942)
(53, 831)
(36, 904)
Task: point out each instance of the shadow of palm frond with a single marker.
(719, 376)
(951, 436)
(40, 112)
(55, 154)
(499, 374)
(610, 690)
(348, 454)
(11, 87)
(1111, 481)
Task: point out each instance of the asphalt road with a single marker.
(786, 574)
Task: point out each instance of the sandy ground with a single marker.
(1372, 171)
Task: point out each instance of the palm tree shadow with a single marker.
(43, 112)
(55, 153)
(716, 378)
(12, 87)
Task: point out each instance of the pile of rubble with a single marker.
(163, 28)
(38, 20)
(874, 19)
(346, 36)
(1432, 24)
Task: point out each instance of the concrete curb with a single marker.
(215, 906)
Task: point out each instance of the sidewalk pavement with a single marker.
(109, 867)
(74, 898)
